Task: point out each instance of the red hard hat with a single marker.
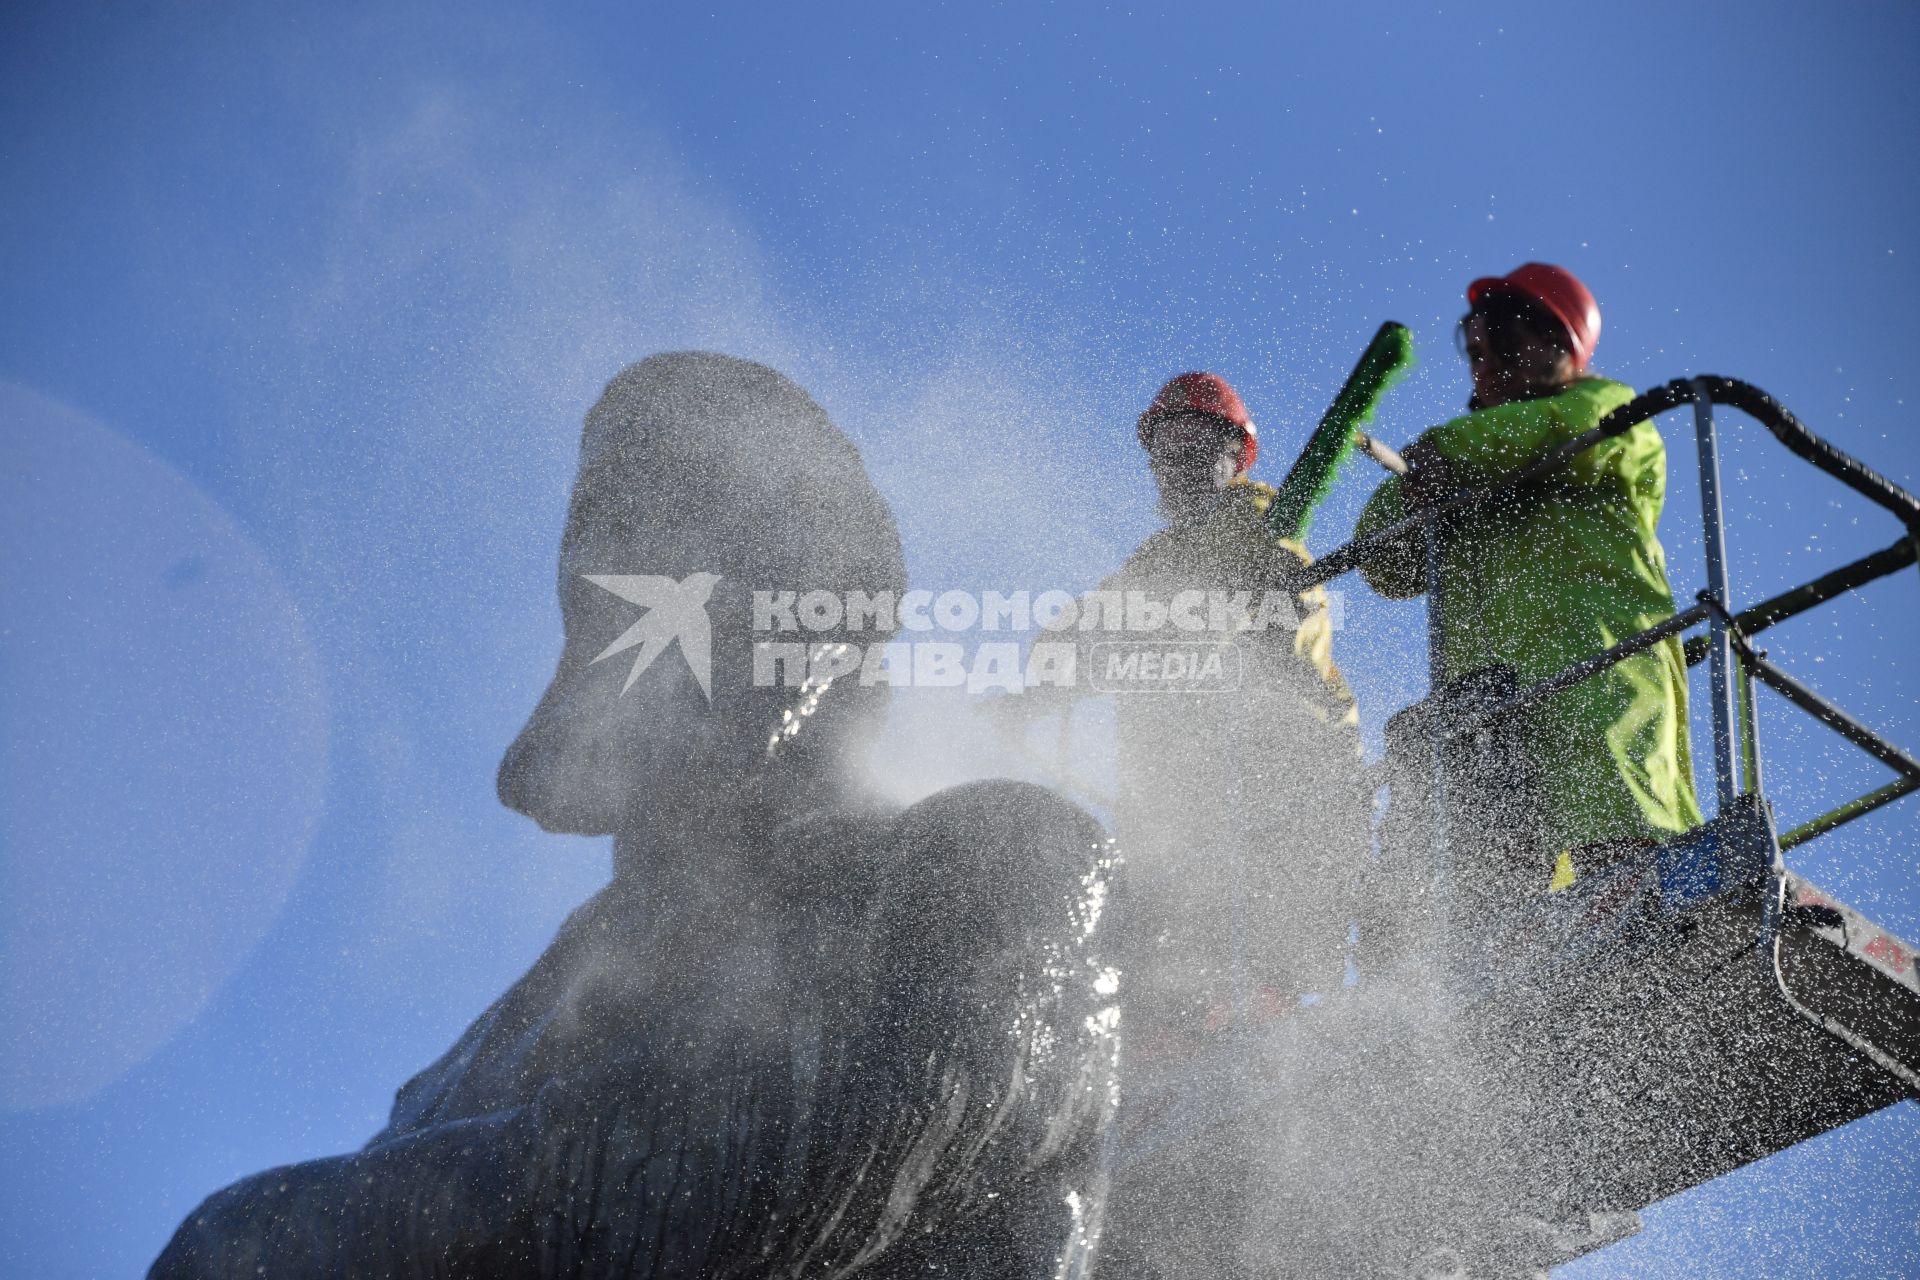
(1560, 292)
(1209, 394)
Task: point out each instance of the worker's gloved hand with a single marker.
(1428, 479)
(1286, 570)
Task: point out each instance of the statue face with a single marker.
(625, 729)
(703, 478)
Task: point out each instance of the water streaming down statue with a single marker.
(798, 1034)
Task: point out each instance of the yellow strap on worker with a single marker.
(1562, 872)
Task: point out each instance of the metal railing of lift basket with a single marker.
(1726, 646)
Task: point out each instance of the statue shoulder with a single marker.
(997, 813)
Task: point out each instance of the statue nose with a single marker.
(512, 783)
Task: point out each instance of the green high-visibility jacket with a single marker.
(1554, 573)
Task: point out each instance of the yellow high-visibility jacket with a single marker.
(1232, 550)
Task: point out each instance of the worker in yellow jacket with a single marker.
(1241, 814)
(1200, 444)
(1238, 809)
(1542, 578)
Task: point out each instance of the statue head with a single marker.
(703, 480)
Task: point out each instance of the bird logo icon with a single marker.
(675, 611)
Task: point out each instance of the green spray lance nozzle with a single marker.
(1308, 481)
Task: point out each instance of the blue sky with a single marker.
(303, 308)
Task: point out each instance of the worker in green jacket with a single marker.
(1555, 572)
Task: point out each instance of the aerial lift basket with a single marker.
(1688, 1008)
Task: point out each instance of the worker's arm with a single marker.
(1397, 571)
(1313, 639)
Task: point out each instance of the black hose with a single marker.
(1789, 431)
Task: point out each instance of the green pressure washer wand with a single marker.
(1308, 481)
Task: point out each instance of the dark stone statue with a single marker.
(798, 1034)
